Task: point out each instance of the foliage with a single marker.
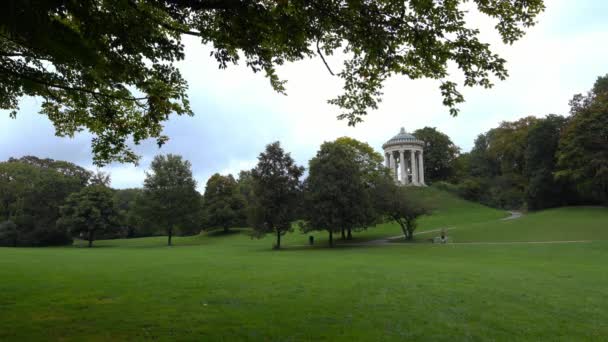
(101, 178)
(130, 214)
(88, 212)
(109, 66)
(276, 185)
(400, 205)
(336, 193)
(507, 160)
(223, 205)
(439, 154)
(170, 200)
(31, 192)
(543, 190)
(365, 156)
(9, 234)
(583, 149)
(65, 168)
(245, 186)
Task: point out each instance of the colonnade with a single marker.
(406, 165)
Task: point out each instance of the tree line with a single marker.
(531, 163)
(47, 202)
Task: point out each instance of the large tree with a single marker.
(276, 188)
(109, 66)
(223, 205)
(439, 154)
(369, 163)
(170, 198)
(89, 212)
(583, 148)
(336, 195)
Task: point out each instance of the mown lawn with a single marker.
(229, 287)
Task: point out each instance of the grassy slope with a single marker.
(229, 287)
(562, 224)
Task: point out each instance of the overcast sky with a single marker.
(237, 113)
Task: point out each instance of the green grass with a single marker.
(562, 224)
(229, 287)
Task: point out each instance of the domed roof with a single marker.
(403, 138)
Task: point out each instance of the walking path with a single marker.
(514, 215)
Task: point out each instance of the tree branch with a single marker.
(69, 88)
(323, 59)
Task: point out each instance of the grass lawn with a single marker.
(229, 287)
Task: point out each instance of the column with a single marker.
(414, 167)
(386, 160)
(403, 168)
(421, 167)
(393, 165)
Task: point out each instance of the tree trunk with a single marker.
(225, 229)
(331, 238)
(343, 236)
(350, 235)
(90, 238)
(278, 239)
(170, 233)
(404, 229)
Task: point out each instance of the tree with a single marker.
(276, 185)
(109, 66)
(439, 154)
(89, 212)
(400, 204)
(336, 193)
(31, 192)
(170, 197)
(543, 190)
(369, 163)
(223, 205)
(583, 148)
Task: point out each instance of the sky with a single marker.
(237, 113)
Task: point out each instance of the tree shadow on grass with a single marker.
(223, 233)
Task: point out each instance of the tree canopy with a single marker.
(583, 149)
(170, 199)
(223, 204)
(88, 212)
(439, 153)
(109, 66)
(337, 196)
(31, 192)
(276, 188)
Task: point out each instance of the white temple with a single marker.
(403, 155)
